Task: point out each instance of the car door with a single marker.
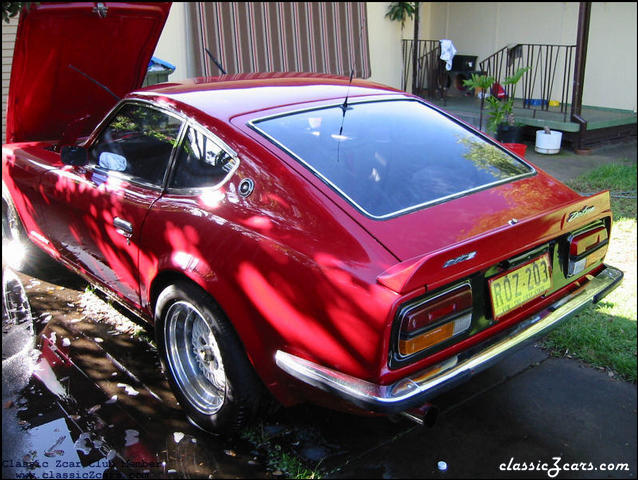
(97, 211)
(194, 216)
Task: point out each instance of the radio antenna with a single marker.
(219, 65)
(344, 106)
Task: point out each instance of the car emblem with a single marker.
(462, 258)
(579, 213)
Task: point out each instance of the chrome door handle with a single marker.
(123, 228)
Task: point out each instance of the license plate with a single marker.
(514, 288)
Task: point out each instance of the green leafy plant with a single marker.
(400, 12)
(501, 111)
(482, 83)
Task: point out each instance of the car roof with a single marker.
(227, 96)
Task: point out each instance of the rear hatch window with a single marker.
(393, 156)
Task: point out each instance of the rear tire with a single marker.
(204, 360)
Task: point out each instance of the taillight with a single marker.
(435, 320)
(586, 249)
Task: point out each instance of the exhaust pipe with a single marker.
(425, 415)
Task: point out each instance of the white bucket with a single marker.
(548, 142)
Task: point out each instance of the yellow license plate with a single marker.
(512, 289)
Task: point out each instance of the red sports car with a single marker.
(319, 238)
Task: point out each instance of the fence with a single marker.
(549, 78)
(429, 67)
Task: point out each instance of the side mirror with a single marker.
(74, 155)
(74, 130)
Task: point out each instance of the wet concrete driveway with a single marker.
(83, 397)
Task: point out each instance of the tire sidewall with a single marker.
(11, 226)
(240, 402)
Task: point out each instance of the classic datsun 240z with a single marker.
(319, 238)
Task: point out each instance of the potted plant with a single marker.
(501, 117)
(500, 111)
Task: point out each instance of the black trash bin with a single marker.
(464, 63)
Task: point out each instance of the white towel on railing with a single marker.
(447, 53)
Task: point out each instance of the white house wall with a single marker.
(172, 46)
(484, 28)
(610, 74)
(384, 40)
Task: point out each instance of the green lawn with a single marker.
(604, 335)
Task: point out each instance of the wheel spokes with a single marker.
(194, 357)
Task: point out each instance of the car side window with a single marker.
(137, 142)
(200, 162)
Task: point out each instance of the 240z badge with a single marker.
(579, 213)
(462, 258)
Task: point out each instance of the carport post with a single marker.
(582, 35)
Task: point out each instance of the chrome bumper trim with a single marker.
(420, 387)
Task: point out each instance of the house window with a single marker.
(247, 37)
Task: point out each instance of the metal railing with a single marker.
(428, 76)
(549, 78)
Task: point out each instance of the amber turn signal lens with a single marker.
(437, 308)
(435, 320)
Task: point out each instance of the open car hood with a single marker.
(109, 42)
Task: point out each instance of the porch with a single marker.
(603, 124)
(546, 91)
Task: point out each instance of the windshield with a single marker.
(391, 157)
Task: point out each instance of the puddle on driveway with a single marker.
(84, 397)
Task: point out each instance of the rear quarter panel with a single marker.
(290, 269)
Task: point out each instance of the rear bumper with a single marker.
(418, 388)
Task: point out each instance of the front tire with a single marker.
(15, 243)
(204, 360)
(18, 250)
